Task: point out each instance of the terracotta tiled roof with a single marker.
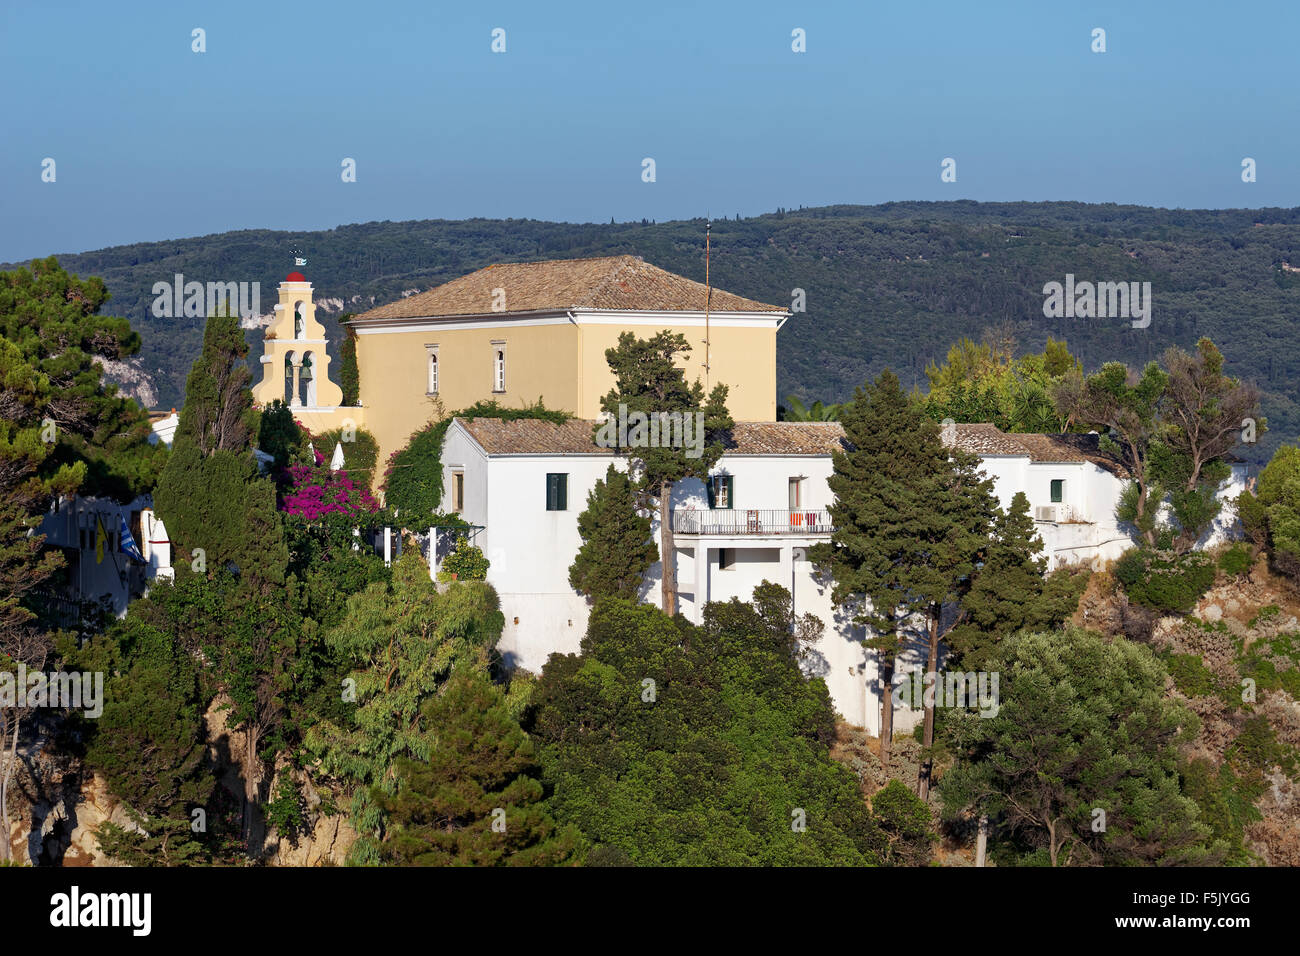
(575, 437)
(532, 436)
(983, 439)
(786, 438)
(611, 282)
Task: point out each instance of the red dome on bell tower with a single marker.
(295, 277)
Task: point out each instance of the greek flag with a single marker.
(127, 543)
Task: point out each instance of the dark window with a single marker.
(1058, 490)
(557, 492)
(726, 559)
(458, 490)
(721, 490)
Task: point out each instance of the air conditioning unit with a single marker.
(1045, 513)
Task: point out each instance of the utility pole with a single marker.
(708, 294)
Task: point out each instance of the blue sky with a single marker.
(153, 141)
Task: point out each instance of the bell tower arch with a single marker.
(294, 361)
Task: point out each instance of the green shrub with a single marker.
(349, 374)
(413, 483)
(1235, 560)
(1266, 613)
(287, 813)
(1164, 580)
(1191, 676)
(466, 562)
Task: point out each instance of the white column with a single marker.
(786, 556)
(388, 546)
(701, 578)
(433, 556)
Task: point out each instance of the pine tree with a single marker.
(648, 380)
(53, 320)
(476, 799)
(1084, 725)
(62, 431)
(617, 548)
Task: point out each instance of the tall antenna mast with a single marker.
(708, 294)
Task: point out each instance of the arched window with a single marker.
(290, 397)
(433, 373)
(299, 323)
(308, 379)
(499, 371)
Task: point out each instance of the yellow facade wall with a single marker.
(562, 363)
(744, 359)
(541, 361)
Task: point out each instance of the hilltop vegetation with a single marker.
(887, 286)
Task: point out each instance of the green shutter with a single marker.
(557, 491)
(731, 491)
(708, 489)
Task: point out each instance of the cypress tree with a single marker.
(210, 495)
(910, 517)
(649, 380)
(616, 549)
(149, 744)
(1007, 592)
(217, 507)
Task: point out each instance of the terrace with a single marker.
(759, 522)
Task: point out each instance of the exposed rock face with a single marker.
(95, 807)
(330, 836)
(327, 845)
(131, 378)
(55, 807)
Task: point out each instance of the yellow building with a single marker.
(515, 332)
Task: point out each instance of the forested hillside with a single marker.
(891, 285)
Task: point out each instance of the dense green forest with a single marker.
(891, 285)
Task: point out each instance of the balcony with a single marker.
(727, 522)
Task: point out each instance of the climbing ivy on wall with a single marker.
(413, 480)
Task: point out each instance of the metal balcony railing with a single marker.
(741, 521)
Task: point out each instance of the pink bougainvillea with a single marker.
(315, 492)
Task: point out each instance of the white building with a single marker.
(108, 571)
(522, 485)
(1073, 489)
(99, 564)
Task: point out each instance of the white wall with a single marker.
(530, 550)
